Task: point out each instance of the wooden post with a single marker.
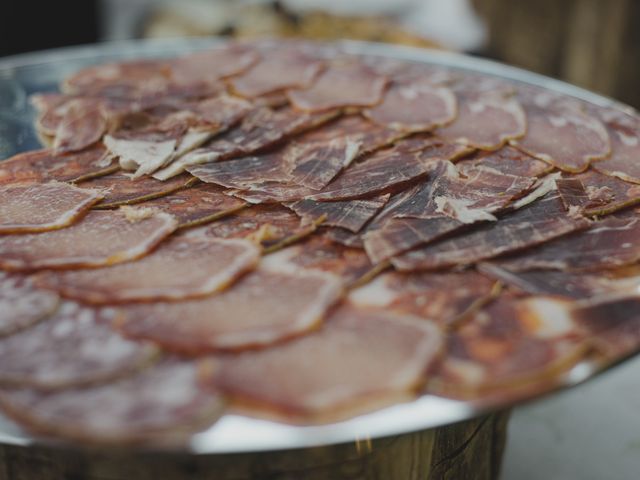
(467, 450)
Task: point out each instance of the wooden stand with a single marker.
(467, 450)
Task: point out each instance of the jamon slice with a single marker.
(342, 236)
(163, 405)
(45, 165)
(341, 85)
(263, 307)
(489, 114)
(386, 169)
(508, 343)
(260, 129)
(101, 238)
(182, 267)
(22, 304)
(197, 205)
(531, 225)
(82, 125)
(624, 132)
(507, 160)
(43, 206)
(280, 69)
(120, 188)
(333, 373)
(415, 105)
(560, 132)
(348, 214)
(610, 242)
(74, 346)
(143, 152)
(445, 298)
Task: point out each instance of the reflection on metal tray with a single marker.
(22, 75)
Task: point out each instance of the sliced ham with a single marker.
(162, 406)
(332, 373)
(348, 84)
(624, 132)
(182, 267)
(40, 207)
(22, 304)
(82, 125)
(507, 160)
(101, 238)
(74, 346)
(264, 307)
(489, 114)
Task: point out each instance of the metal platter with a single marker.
(22, 75)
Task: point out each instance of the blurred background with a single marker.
(591, 43)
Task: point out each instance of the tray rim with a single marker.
(239, 434)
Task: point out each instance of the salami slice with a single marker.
(624, 132)
(43, 206)
(82, 125)
(341, 85)
(489, 114)
(162, 406)
(261, 308)
(101, 238)
(74, 346)
(331, 373)
(22, 304)
(561, 133)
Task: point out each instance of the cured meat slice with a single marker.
(50, 108)
(263, 307)
(343, 236)
(22, 304)
(444, 298)
(341, 85)
(197, 205)
(595, 193)
(508, 343)
(82, 125)
(285, 68)
(45, 165)
(144, 153)
(260, 129)
(507, 160)
(349, 214)
(560, 132)
(74, 346)
(531, 225)
(415, 105)
(43, 206)
(120, 188)
(611, 242)
(489, 114)
(386, 169)
(624, 132)
(163, 405)
(332, 373)
(179, 268)
(101, 238)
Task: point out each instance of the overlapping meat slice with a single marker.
(509, 343)
(45, 165)
(507, 160)
(82, 125)
(387, 169)
(344, 84)
(445, 298)
(531, 225)
(489, 114)
(332, 373)
(22, 304)
(163, 405)
(121, 188)
(610, 242)
(624, 132)
(181, 267)
(38, 207)
(415, 104)
(101, 238)
(560, 132)
(262, 128)
(280, 69)
(74, 346)
(265, 306)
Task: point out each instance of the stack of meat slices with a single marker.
(287, 230)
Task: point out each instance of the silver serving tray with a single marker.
(22, 75)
